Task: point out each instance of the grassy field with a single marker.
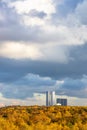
(43, 118)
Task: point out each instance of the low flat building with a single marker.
(61, 101)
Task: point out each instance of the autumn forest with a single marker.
(43, 118)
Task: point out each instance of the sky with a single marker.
(43, 46)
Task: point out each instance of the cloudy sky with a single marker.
(43, 46)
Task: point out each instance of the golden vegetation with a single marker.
(43, 118)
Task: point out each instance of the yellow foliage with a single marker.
(43, 118)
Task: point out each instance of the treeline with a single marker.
(43, 118)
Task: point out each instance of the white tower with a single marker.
(50, 98)
(53, 98)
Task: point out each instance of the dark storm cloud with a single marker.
(72, 84)
(17, 92)
(26, 86)
(22, 78)
(35, 81)
(75, 68)
(9, 23)
(35, 13)
(79, 53)
(74, 87)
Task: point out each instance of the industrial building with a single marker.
(61, 101)
(51, 99)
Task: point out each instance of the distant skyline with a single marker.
(43, 46)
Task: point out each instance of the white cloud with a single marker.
(19, 51)
(32, 21)
(65, 35)
(27, 5)
(33, 51)
(37, 99)
(23, 8)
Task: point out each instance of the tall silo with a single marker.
(50, 98)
